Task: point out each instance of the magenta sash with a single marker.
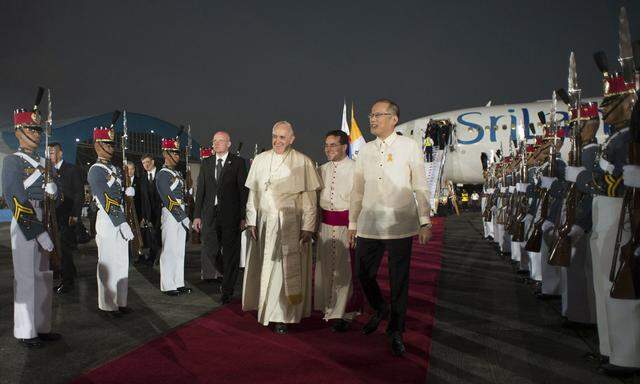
(335, 218)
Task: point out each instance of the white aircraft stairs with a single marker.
(434, 176)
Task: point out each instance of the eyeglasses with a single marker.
(333, 145)
(378, 115)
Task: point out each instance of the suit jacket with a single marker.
(150, 202)
(230, 190)
(71, 184)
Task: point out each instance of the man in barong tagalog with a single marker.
(389, 205)
(335, 293)
(281, 217)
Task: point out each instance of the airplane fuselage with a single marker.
(487, 129)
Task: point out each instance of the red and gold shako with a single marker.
(103, 135)
(205, 153)
(170, 144)
(588, 111)
(27, 119)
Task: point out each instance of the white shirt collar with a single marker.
(223, 157)
(152, 172)
(388, 140)
(59, 164)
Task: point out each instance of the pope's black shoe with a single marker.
(184, 290)
(280, 328)
(112, 314)
(397, 346)
(340, 325)
(51, 336)
(174, 292)
(31, 343)
(374, 321)
(125, 310)
(225, 299)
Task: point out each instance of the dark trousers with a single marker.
(222, 243)
(68, 244)
(152, 239)
(428, 154)
(369, 253)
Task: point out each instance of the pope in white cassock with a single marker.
(281, 217)
(336, 293)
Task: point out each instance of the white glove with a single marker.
(186, 223)
(547, 181)
(606, 166)
(45, 241)
(522, 187)
(631, 175)
(576, 232)
(130, 191)
(571, 173)
(191, 191)
(51, 188)
(490, 191)
(125, 231)
(547, 225)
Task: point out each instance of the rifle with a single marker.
(522, 201)
(535, 240)
(188, 185)
(137, 244)
(50, 219)
(625, 277)
(560, 254)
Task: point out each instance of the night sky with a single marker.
(241, 66)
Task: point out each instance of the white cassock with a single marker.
(282, 203)
(333, 283)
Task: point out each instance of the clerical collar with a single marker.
(340, 161)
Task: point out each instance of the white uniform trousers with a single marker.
(618, 320)
(174, 237)
(488, 225)
(578, 300)
(32, 285)
(494, 221)
(515, 250)
(113, 264)
(551, 275)
(525, 263)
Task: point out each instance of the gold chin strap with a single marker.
(172, 203)
(612, 184)
(110, 201)
(20, 209)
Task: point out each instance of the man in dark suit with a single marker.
(70, 183)
(149, 208)
(219, 213)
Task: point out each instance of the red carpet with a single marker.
(229, 346)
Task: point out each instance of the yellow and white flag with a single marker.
(356, 140)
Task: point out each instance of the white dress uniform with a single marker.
(22, 184)
(174, 233)
(111, 225)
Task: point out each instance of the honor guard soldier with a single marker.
(112, 230)
(22, 187)
(618, 319)
(174, 221)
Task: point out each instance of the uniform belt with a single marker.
(335, 218)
